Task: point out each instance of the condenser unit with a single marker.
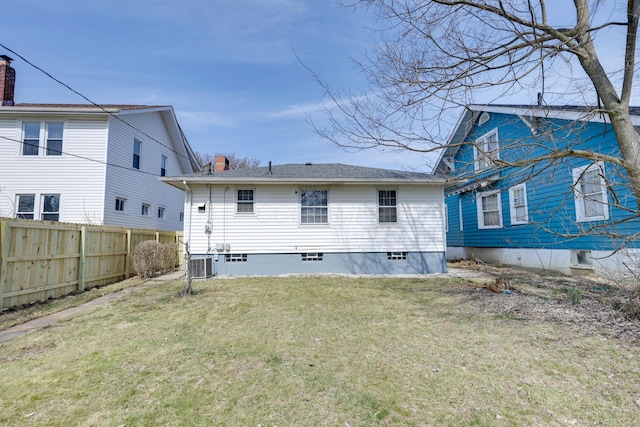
(201, 268)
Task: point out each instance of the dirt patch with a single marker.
(588, 303)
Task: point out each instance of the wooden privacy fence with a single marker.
(42, 260)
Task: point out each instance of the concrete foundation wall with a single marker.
(339, 263)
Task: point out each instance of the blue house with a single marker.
(530, 190)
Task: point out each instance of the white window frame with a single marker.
(317, 209)
(481, 212)
(387, 213)
(245, 202)
(162, 212)
(163, 165)
(144, 210)
(581, 199)
(43, 141)
(483, 152)
(120, 205)
(460, 213)
(513, 208)
(137, 154)
(30, 214)
(43, 206)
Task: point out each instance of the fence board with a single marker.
(42, 260)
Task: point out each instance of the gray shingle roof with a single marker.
(335, 173)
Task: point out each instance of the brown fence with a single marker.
(41, 260)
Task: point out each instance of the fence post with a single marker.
(82, 260)
(127, 263)
(4, 254)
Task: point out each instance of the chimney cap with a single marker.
(6, 58)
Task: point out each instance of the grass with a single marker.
(18, 315)
(313, 351)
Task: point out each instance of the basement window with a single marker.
(235, 257)
(582, 258)
(312, 256)
(396, 256)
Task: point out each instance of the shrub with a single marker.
(151, 258)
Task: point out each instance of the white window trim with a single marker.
(162, 209)
(253, 201)
(579, 196)
(512, 206)
(479, 197)
(43, 138)
(478, 155)
(460, 213)
(314, 224)
(148, 205)
(125, 209)
(164, 160)
(386, 223)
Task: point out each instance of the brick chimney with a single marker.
(222, 164)
(7, 80)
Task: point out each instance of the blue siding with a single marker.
(551, 204)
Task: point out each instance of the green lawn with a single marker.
(314, 351)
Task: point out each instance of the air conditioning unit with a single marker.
(201, 268)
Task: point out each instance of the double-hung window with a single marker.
(46, 134)
(314, 206)
(387, 206)
(244, 202)
(137, 150)
(50, 207)
(486, 150)
(54, 138)
(518, 204)
(26, 206)
(590, 193)
(31, 140)
(489, 210)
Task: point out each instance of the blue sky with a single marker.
(228, 67)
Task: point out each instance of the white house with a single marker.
(314, 218)
(90, 164)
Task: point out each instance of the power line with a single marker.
(98, 105)
(132, 169)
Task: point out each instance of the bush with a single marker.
(151, 258)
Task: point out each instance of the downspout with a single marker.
(209, 230)
(189, 197)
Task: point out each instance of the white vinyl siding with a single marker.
(143, 186)
(79, 176)
(489, 210)
(518, 209)
(95, 167)
(352, 221)
(590, 193)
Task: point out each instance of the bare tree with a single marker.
(234, 161)
(436, 56)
